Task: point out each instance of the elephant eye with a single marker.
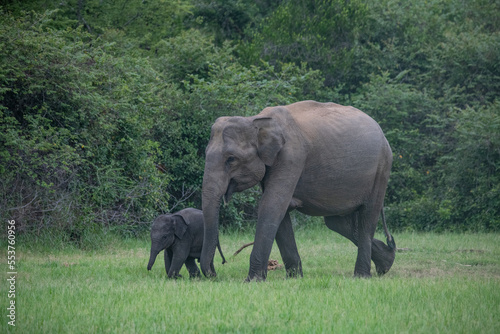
(230, 160)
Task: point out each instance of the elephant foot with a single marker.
(362, 269)
(210, 274)
(256, 277)
(294, 273)
(176, 276)
(362, 275)
(383, 256)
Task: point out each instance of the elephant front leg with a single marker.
(168, 259)
(285, 240)
(278, 188)
(267, 226)
(259, 260)
(179, 257)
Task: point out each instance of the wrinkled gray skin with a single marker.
(322, 159)
(181, 236)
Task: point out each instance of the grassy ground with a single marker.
(440, 283)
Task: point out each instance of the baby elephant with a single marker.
(181, 236)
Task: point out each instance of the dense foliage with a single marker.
(106, 106)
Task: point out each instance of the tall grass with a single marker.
(440, 283)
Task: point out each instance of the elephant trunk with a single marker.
(214, 188)
(152, 258)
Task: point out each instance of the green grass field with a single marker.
(440, 283)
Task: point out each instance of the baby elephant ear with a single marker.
(180, 226)
(270, 139)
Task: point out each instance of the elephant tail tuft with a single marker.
(390, 242)
(220, 252)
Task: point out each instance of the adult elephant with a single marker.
(323, 159)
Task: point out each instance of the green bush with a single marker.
(471, 173)
(75, 144)
(321, 33)
(106, 106)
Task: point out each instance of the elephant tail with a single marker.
(243, 247)
(220, 251)
(390, 240)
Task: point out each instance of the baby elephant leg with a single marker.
(178, 259)
(192, 267)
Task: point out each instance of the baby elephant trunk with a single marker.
(152, 258)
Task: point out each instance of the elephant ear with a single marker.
(270, 139)
(180, 226)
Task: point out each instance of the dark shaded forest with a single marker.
(106, 106)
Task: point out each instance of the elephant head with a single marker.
(239, 150)
(163, 232)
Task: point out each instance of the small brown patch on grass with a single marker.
(273, 265)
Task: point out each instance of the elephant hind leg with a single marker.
(192, 268)
(349, 226)
(381, 254)
(285, 240)
(365, 228)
